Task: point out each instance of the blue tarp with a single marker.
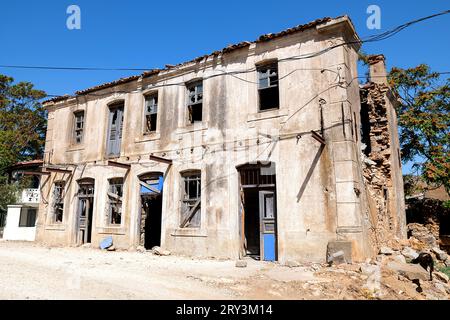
(106, 243)
(158, 186)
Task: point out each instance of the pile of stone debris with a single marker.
(402, 268)
(400, 258)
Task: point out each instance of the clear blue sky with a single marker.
(150, 34)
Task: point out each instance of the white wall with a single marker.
(12, 230)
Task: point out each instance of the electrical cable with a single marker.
(373, 38)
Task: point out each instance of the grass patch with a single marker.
(445, 270)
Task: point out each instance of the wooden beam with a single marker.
(190, 214)
(149, 187)
(159, 159)
(36, 173)
(115, 196)
(318, 137)
(118, 164)
(58, 170)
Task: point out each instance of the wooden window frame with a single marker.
(194, 99)
(115, 199)
(151, 112)
(264, 74)
(191, 205)
(120, 108)
(78, 131)
(58, 201)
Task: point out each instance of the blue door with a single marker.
(267, 214)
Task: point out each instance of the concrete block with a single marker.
(241, 264)
(335, 247)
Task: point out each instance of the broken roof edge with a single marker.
(26, 163)
(320, 24)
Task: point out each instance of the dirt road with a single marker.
(30, 271)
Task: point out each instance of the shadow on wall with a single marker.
(310, 172)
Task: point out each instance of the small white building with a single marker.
(21, 216)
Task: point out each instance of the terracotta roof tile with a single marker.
(230, 48)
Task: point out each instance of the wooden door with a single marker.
(267, 216)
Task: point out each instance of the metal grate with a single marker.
(256, 177)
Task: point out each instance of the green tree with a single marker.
(22, 132)
(22, 122)
(424, 119)
(8, 195)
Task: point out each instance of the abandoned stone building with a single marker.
(269, 149)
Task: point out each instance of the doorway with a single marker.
(151, 186)
(258, 211)
(85, 197)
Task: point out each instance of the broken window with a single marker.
(58, 201)
(86, 189)
(151, 112)
(115, 129)
(268, 87)
(115, 194)
(195, 101)
(79, 126)
(27, 217)
(190, 212)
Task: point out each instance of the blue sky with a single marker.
(150, 34)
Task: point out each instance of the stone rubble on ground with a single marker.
(441, 276)
(441, 287)
(410, 271)
(440, 254)
(386, 251)
(399, 258)
(292, 264)
(160, 252)
(409, 253)
(241, 264)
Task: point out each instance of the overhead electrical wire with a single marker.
(373, 38)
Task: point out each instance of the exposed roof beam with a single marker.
(118, 164)
(159, 159)
(57, 170)
(36, 173)
(318, 137)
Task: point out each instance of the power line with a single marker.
(245, 80)
(72, 68)
(373, 38)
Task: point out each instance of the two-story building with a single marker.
(253, 150)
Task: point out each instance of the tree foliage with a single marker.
(22, 132)
(22, 122)
(424, 121)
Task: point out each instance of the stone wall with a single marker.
(381, 164)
